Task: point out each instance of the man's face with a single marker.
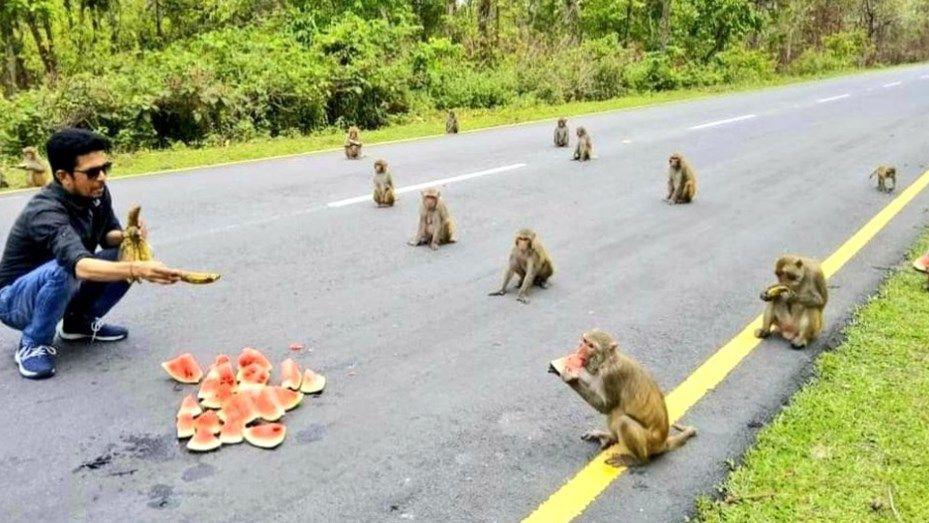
(88, 178)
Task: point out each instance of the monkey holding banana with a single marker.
(561, 133)
(436, 226)
(795, 303)
(530, 261)
(383, 185)
(885, 173)
(622, 390)
(682, 180)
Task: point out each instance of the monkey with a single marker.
(884, 173)
(3, 184)
(530, 261)
(451, 123)
(622, 390)
(682, 180)
(35, 167)
(383, 185)
(561, 133)
(585, 147)
(353, 144)
(436, 225)
(795, 303)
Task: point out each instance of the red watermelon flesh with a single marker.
(290, 374)
(239, 406)
(215, 398)
(289, 399)
(190, 406)
(183, 368)
(267, 405)
(232, 432)
(312, 382)
(208, 421)
(266, 436)
(921, 264)
(253, 377)
(222, 358)
(185, 426)
(203, 441)
(250, 356)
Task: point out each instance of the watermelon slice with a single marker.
(250, 356)
(289, 399)
(190, 406)
(215, 399)
(232, 432)
(218, 385)
(183, 368)
(266, 436)
(209, 420)
(253, 377)
(203, 441)
(312, 383)
(239, 406)
(921, 264)
(267, 405)
(185, 426)
(222, 358)
(290, 374)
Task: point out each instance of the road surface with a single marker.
(438, 406)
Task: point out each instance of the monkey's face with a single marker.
(430, 202)
(581, 131)
(379, 168)
(562, 123)
(523, 243)
(675, 162)
(789, 273)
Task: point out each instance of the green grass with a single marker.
(852, 444)
(147, 161)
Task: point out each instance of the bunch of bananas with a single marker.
(135, 248)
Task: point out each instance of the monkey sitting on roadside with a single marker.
(436, 226)
(682, 180)
(884, 173)
(451, 123)
(622, 390)
(35, 167)
(530, 261)
(353, 143)
(795, 303)
(561, 133)
(383, 185)
(585, 147)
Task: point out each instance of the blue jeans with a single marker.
(35, 303)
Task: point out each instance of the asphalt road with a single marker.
(438, 406)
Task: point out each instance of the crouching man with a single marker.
(52, 277)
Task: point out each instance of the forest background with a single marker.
(156, 74)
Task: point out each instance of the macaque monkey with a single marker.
(353, 144)
(530, 261)
(3, 184)
(451, 123)
(585, 147)
(35, 167)
(383, 185)
(436, 226)
(795, 303)
(884, 173)
(561, 133)
(682, 180)
(622, 390)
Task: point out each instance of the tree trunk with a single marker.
(628, 22)
(45, 52)
(664, 27)
(158, 28)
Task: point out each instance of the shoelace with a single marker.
(95, 327)
(41, 350)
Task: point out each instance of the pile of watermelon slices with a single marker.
(233, 406)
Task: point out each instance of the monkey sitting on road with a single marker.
(530, 261)
(383, 185)
(353, 144)
(622, 390)
(884, 173)
(451, 123)
(436, 226)
(585, 147)
(682, 180)
(795, 303)
(561, 133)
(35, 167)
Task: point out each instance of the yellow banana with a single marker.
(199, 278)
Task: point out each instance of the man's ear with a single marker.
(60, 175)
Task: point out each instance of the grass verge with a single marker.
(851, 446)
(183, 157)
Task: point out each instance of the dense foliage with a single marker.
(152, 73)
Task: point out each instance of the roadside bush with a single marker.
(739, 64)
(839, 51)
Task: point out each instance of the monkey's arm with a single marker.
(390, 181)
(527, 279)
(420, 230)
(507, 276)
(582, 385)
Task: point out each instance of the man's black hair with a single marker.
(66, 145)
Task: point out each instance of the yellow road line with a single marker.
(581, 490)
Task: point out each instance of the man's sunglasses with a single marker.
(94, 172)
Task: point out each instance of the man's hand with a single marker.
(155, 272)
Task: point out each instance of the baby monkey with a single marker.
(383, 185)
(530, 261)
(682, 180)
(436, 226)
(885, 173)
(585, 146)
(561, 133)
(353, 143)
